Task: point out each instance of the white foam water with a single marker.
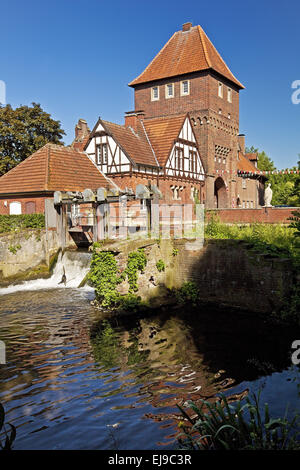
(74, 264)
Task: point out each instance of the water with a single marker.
(75, 379)
(74, 264)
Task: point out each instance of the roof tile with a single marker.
(185, 52)
(53, 168)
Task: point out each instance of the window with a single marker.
(229, 95)
(15, 208)
(178, 158)
(155, 93)
(220, 111)
(244, 183)
(102, 154)
(229, 116)
(193, 161)
(170, 90)
(185, 87)
(220, 90)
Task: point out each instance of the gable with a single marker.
(184, 160)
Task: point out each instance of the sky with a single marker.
(76, 58)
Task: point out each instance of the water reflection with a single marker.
(75, 379)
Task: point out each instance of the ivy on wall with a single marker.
(105, 277)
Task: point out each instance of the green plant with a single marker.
(295, 222)
(175, 252)
(9, 436)
(137, 261)
(14, 248)
(289, 312)
(105, 277)
(220, 426)
(187, 293)
(13, 223)
(160, 265)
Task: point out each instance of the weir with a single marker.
(74, 264)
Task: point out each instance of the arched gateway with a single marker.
(220, 193)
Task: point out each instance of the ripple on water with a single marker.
(75, 381)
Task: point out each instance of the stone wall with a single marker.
(225, 271)
(26, 254)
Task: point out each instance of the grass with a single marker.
(220, 426)
(274, 239)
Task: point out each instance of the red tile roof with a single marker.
(185, 52)
(162, 133)
(133, 142)
(244, 164)
(252, 156)
(53, 168)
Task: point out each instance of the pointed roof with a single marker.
(133, 142)
(185, 52)
(53, 168)
(162, 132)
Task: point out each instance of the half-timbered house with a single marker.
(162, 151)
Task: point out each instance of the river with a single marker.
(76, 379)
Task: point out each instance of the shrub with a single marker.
(12, 223)
(187, 293)
(137, 261)
(105, 276)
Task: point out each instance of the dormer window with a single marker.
(220, 90)
(155, 93)
(170, 90)
(102, 153)
(185, 87)
(229, 95)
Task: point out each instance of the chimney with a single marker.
(133, 117)
(186, 26)
(241, 140)
(81, 130)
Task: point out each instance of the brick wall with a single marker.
(268, 215)
(215, 123)
(164, 185)
(38, 205)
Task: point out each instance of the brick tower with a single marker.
(189, 75)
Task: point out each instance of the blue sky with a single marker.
(76, 58)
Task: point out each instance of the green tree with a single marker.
(264, 162)
(23, 131)
(286, 187)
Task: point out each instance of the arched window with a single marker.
(15, 208)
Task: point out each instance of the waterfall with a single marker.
(74, 264)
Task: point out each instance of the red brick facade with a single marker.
(215, 118)
(29, 204)
(269, 215)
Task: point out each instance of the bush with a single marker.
(240, 427)
(187, 293)
(12, 223)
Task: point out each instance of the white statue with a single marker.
(268, 196)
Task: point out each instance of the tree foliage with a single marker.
(23, 131)
(286, 187)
